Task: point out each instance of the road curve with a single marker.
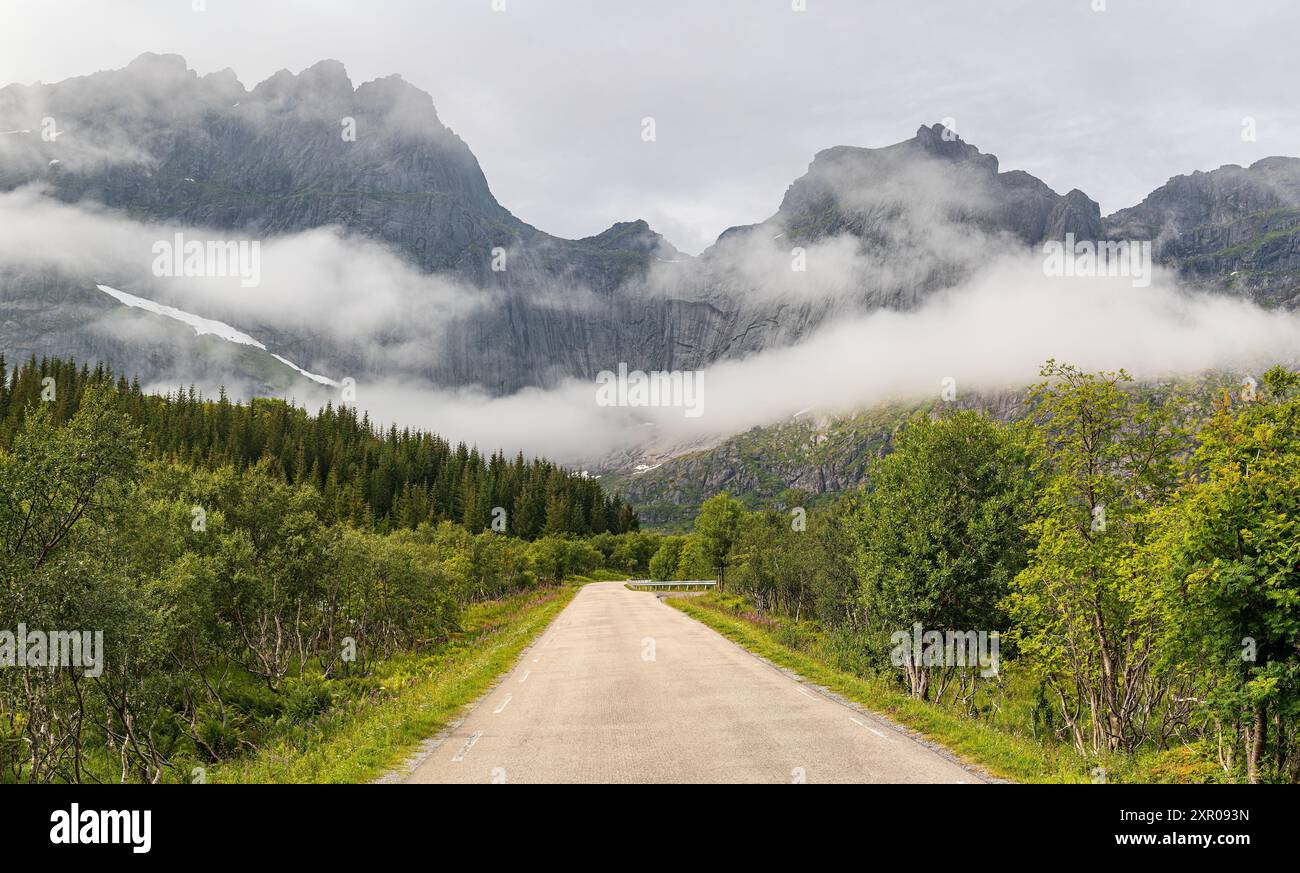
(623, 688)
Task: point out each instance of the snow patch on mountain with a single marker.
(324, 380)
(206, 327)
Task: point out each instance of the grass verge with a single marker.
(1003, 755)
(365, 738)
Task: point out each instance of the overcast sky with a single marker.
(550, 94)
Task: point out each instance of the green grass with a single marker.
(1002, 754)
(364, 738)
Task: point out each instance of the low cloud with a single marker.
(322, 282)
(991, 333)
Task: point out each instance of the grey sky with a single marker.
(550, 94)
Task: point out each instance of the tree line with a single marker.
(381, 479)
(1136, 548)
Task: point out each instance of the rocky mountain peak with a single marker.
(1205, 198)
(934, 177)
(940, 142)
(323, 89)
(632, 236)
(1277, 163)
(160, 66)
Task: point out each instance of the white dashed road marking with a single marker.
(469, 744)
(865, 725)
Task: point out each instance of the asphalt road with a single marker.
(623, 688)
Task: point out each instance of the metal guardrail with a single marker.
(647, 583)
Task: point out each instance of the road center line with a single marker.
(525, 676)
(469, 744)
(503, 705)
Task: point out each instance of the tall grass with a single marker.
(361, 738)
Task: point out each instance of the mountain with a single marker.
(168, 148)
(364, 187)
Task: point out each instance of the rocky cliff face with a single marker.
(1233, 228)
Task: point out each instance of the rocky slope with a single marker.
(809, 459)
(1232, 228)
